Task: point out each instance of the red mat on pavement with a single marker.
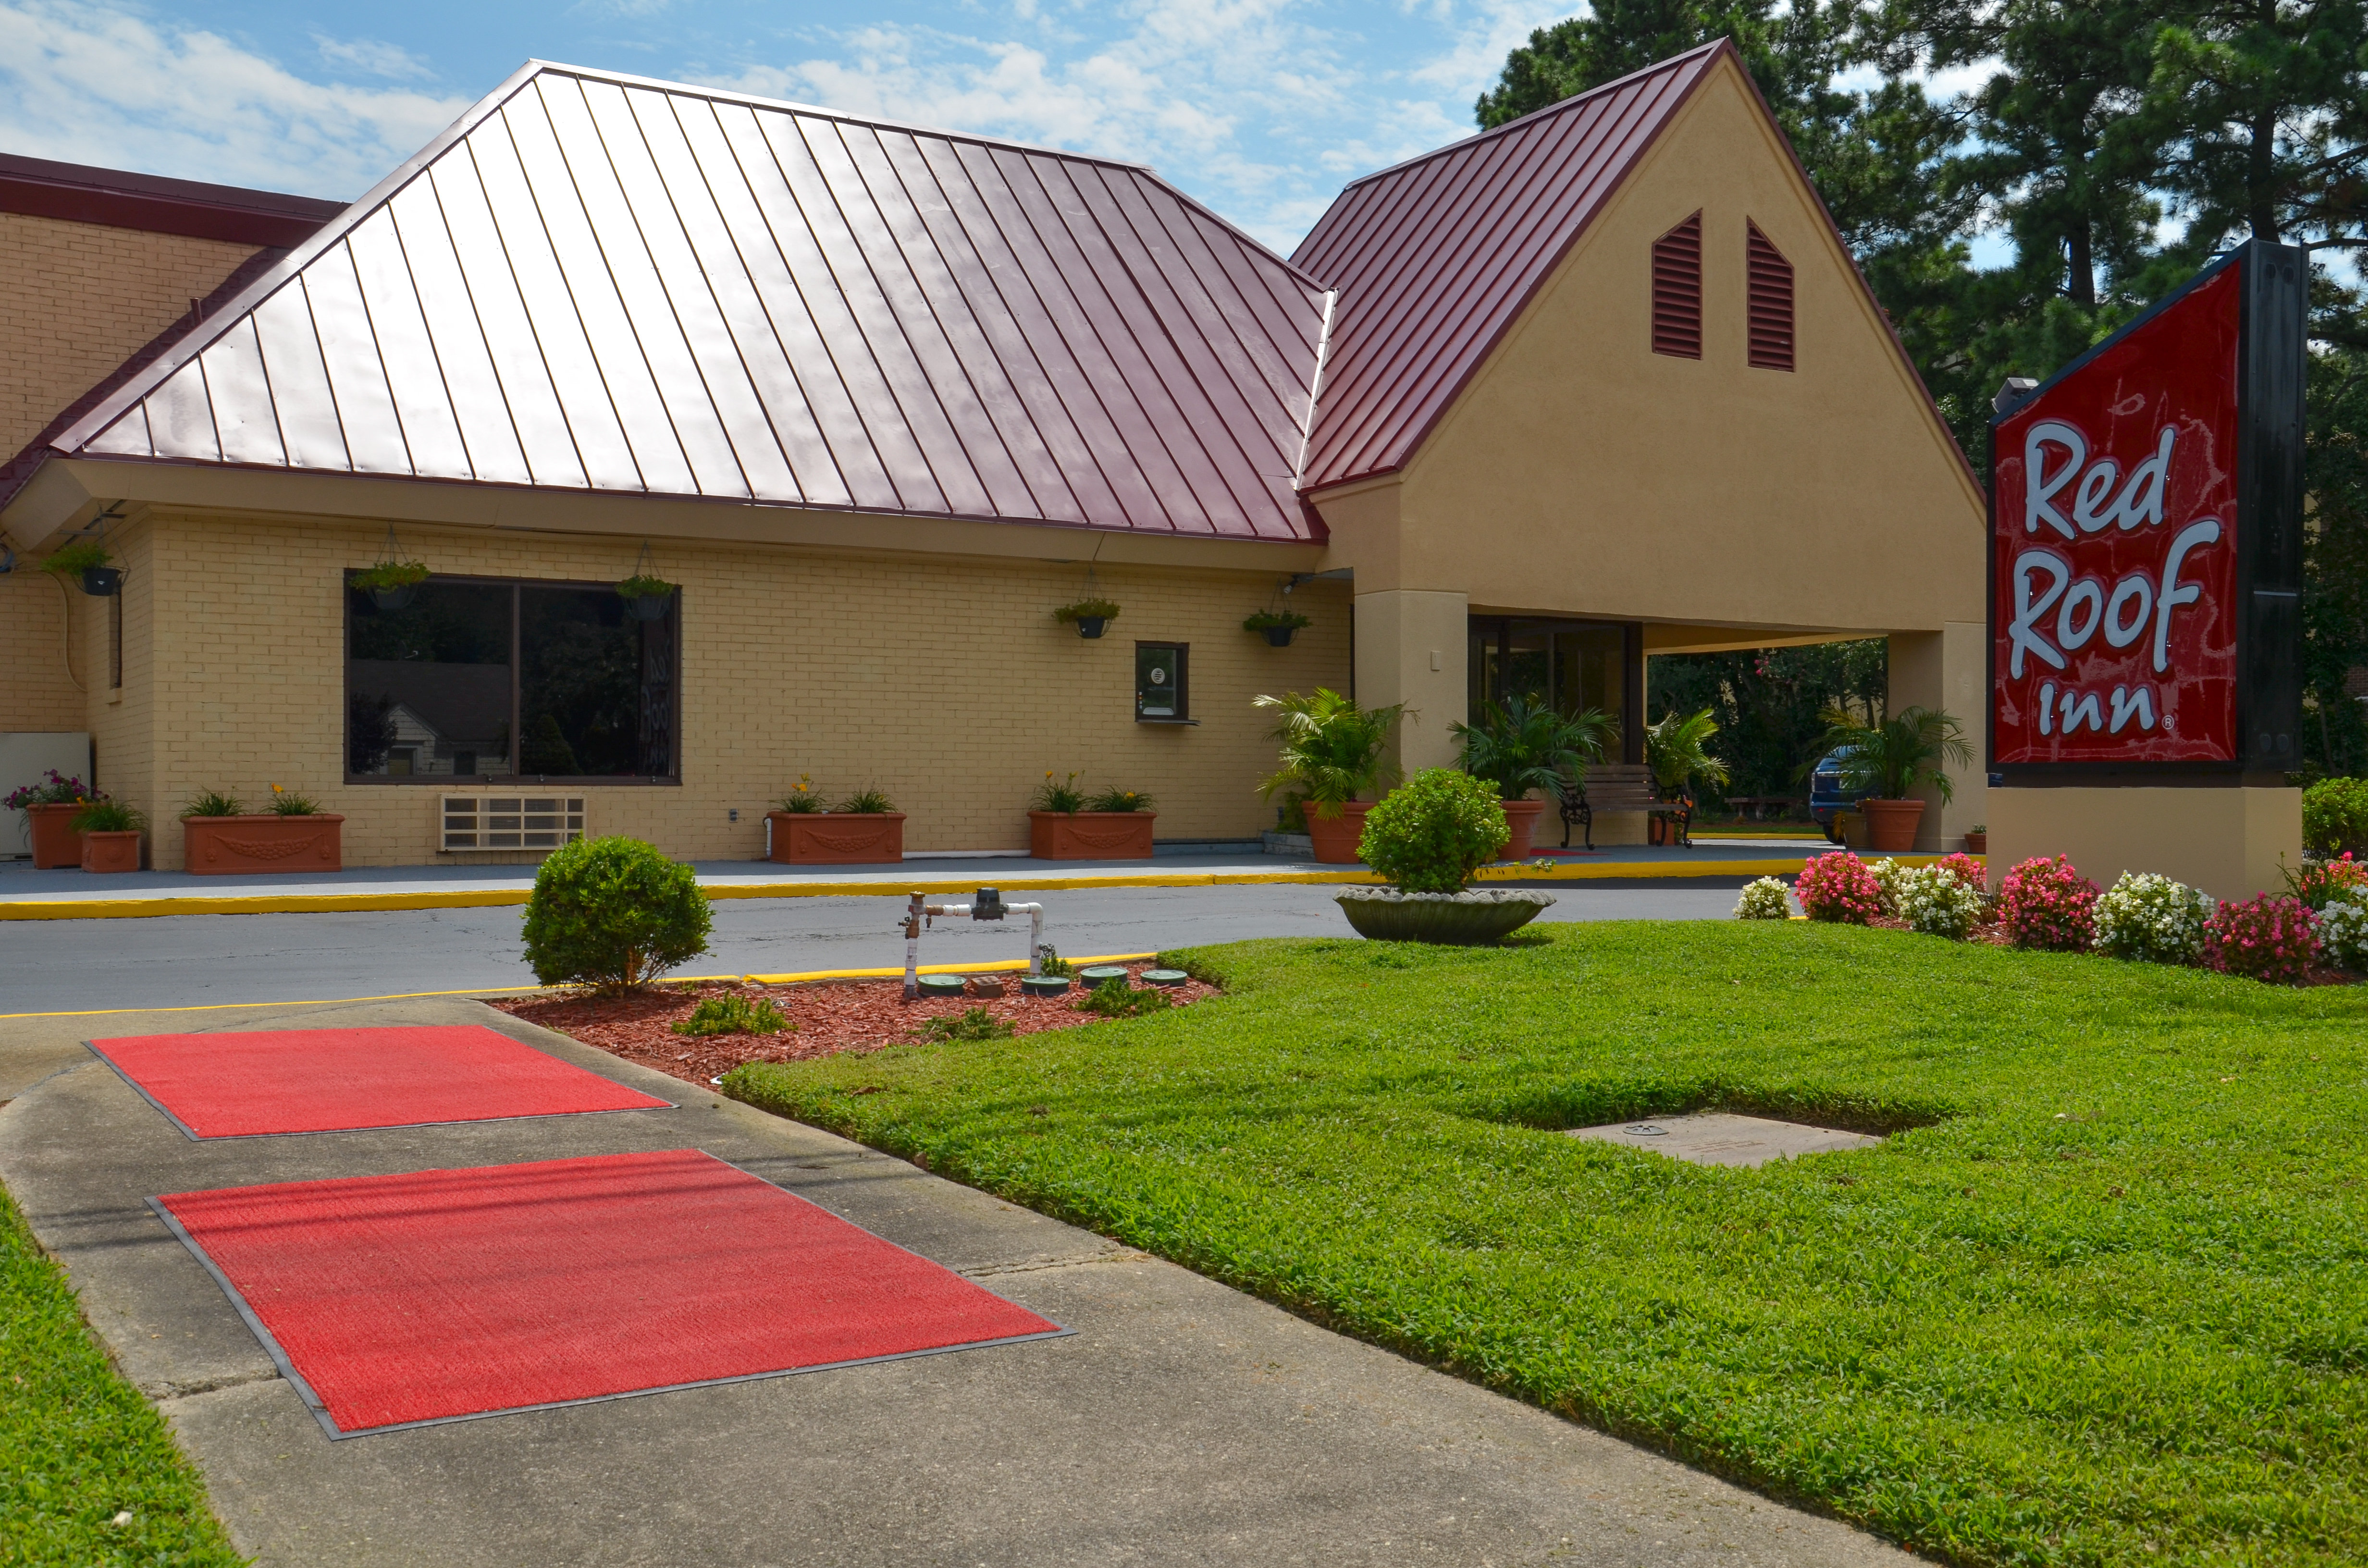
(242, 1083)
(394, 1300)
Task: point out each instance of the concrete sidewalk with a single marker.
(1183, 1423)
(28, 894)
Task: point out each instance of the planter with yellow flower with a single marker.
(221, 837)
(865, 829)
(1067, 825)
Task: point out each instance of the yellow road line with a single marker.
(994, 965)
(482, 898)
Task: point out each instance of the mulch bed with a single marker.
(831, 1016)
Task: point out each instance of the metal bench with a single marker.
(1619, 786)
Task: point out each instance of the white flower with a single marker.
(2343, 932)
(1766, 899)
(2151, 919)
(1886, 874)
(1932, 899)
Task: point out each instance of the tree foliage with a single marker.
(2114, 146)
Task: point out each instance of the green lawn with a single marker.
(78, 1446)
(2100, 1299)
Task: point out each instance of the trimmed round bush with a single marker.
(2151, 919)
(1838, 886)
(2335, 816)
(2045, 904)
(1431, 833)
(2343, 934)
(613, 913)
(2269, 937)
(1766, 899)
(1936, 902)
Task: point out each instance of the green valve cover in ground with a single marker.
(1165, 977)
(941, 986)
(1044, 985)
(1089, 978)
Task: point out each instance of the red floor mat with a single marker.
(395, 1300)
(242, 1083)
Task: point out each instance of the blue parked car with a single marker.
(1827, 799)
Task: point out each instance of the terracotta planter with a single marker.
(1090, 836)
(110, 851)
(1336, 839)
(838, 839)
(1891, 824)
(217, 846)
(1657, 828)
(1977, 844)
(56, 843)
(1522, 816)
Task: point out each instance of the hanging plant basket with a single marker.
(1091, 616)
(102, 582)
(391, 580)
(1278, 627)
(86, 561)
(646, 598)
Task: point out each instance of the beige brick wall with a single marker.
(943, 680)
(37, 691)
(77, 298)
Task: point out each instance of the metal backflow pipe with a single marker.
(984, 905)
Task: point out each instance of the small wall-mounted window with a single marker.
(1677, 290)
(1771, 280)
(1160, 691)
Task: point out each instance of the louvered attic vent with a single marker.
(1677, 290)
(1771, 300)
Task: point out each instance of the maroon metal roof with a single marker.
(1436, 258)
(595, 282)
(124, 200)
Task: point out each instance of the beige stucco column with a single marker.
(1947, 670)
(1412, 648)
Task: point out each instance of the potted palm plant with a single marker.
(1066, 824)
(1519, 746)
(1891, 760)
(219, 836)
(865, 828)
(111, 834)
(1677, 753)
(1333, 753)
(49, 808)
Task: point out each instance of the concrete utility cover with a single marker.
(1714, 1138)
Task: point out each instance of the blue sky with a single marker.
(1262, 109)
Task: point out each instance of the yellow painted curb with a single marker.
(998, 965)
(487, 898)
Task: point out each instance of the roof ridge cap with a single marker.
(1671, 63)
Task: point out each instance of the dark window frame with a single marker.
(465, 783)
(1183, 714)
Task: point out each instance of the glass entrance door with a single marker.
(1571, 665)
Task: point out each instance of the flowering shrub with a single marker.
(1966, 869)
(2151, 919)
(1764, 899)
(59, 790)
(2269, 937)
(2343, 933)
(2047, 904)
(1936, 902)
(1838, 887)
(2321, 882)
(1886, 873)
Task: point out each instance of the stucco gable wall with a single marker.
(1582, 473)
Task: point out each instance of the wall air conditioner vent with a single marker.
(481, 824)
(1677, 290)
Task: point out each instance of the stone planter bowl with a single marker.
(1471, 918)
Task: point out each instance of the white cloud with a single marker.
(90, 85)
(374, 58)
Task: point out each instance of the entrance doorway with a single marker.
(1571, 665)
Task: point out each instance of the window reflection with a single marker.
(1569, 666)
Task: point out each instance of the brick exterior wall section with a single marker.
(37, 692)
(76, 299)
(945, 681)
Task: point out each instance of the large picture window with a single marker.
(478, 680)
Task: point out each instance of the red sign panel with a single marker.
(2114, 550)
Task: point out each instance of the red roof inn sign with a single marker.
(2145, 542)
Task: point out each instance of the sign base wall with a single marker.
(2229, 842)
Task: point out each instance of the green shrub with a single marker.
(1114, 998)
(1057, 794)
(213, 803)
(293, 803)
(735, 1014)
(109, 816)
(1431, 834)
(613, 913)
(2335, 816)
(1117, 800)
(1053, 963)
(977, 1023)
(868, 802)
